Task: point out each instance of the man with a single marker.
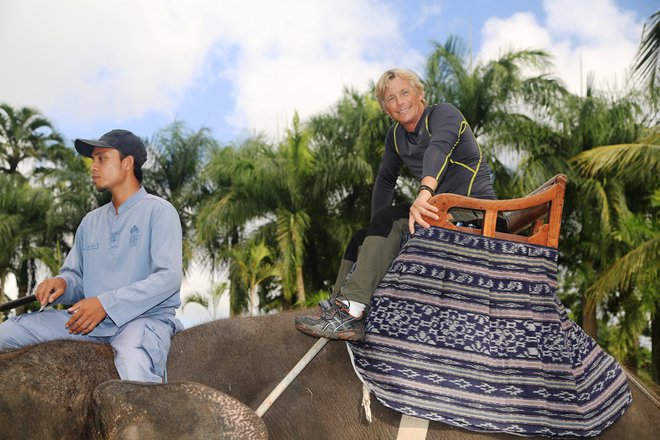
(437, 145)
(123, 274)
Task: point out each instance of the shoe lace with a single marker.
(330, 312)
(333, 307)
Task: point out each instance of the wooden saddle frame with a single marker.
(534, 219)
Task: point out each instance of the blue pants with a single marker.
(141, 346)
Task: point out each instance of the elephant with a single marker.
(47, 391)
(247, 358)
(70, 390)
(125, 410)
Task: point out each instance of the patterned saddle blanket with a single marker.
(468, 331)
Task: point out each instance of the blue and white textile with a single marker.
(468, 330)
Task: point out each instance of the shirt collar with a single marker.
(132, 200)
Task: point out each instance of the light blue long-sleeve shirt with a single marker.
(131, 260)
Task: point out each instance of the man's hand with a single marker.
(86, 314)
(420, 207)
(49, 290)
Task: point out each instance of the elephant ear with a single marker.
(171, 410)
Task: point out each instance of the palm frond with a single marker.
(195, 299)
(646, 65)
(627, 161)
(642, 260)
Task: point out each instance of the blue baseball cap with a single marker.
(122, 140)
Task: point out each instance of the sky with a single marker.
(244, 67)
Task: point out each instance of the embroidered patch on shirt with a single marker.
(132, 241)
(90, 246)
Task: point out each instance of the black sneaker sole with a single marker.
(346, 335)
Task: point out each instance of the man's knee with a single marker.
(12, 335)
(135, 363)
(141, 351)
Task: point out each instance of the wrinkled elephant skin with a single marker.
(46, 390)
(127, 410)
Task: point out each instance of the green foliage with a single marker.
(210, 300)
(43, 197)
(23, 211)
(177, 156)
(250, 264)
(24, 134)
(646, 66)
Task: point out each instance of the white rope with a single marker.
(412, 428)
(295, 371)
(366, 401)
(642, 389)
(366, 393)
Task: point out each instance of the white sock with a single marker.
(355, 309)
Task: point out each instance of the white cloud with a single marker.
(520, 31)
(125, 59)
(590, 21)
(297, 56)
(119, 61)
(584, 36)
(98, 59)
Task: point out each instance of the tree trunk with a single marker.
(589, 319)
(300, 286)
(655, 345)
(3, 278)
(254, 301)
(631, 359)
(22, 280)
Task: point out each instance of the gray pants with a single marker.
(372, 250)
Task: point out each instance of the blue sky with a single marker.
(240, 67)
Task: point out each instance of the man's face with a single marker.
(108, 169)
(403, 103)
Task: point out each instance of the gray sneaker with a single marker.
(334, 322)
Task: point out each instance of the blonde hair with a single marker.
(385, 79)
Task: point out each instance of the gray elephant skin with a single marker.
(48, 391)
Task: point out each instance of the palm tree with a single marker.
(546, 142)
(24, 134)
(485, 93)
(10, 223)
(622, 177)
(249, 265)
(348, 142)
(631, 279)
(210, 301)
(493, 97)
(31, 152)
(177, 156)
(22, 228)
(269, 189)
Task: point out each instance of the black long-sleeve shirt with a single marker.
(442, 146)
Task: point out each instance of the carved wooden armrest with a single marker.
(544, 203)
